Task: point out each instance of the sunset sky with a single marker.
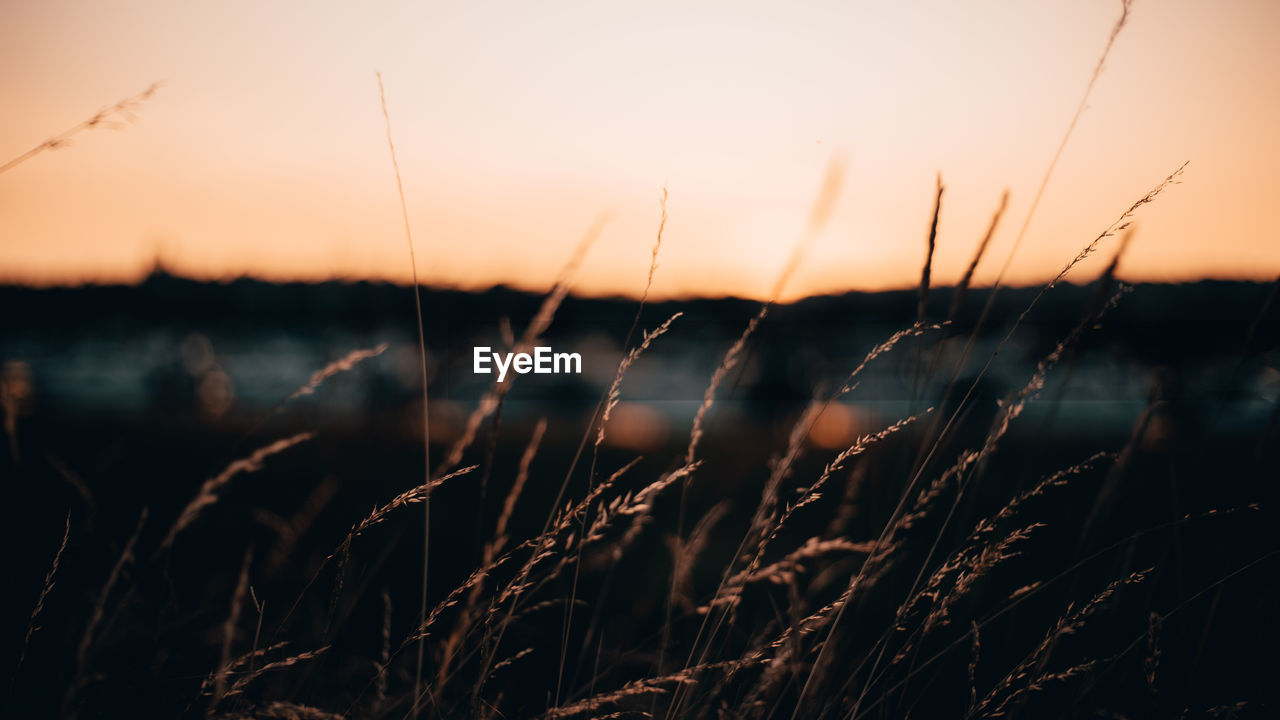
(520, 123)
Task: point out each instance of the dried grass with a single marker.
(99, 608)
(341, 365)
(229, 632)
(112, 117)
(615, 394)
(422, 367)
(211, 489)
(412, 496)
(931, 244)
(33, 623)
(748, 669)
(730, 361)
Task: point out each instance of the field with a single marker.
(257, 499)
(218, 494)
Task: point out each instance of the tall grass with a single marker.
(422, 362)
(789, 607)
(33, 624)
(111, 117)
(854, 587)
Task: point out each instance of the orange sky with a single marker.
(519, 123)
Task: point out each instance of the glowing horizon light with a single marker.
(264, 153)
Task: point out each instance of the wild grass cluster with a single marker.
(943, 564)
(923, 570)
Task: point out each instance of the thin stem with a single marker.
(426, 423)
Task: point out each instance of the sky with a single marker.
(518, 125)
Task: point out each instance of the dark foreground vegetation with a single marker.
(838, 513)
